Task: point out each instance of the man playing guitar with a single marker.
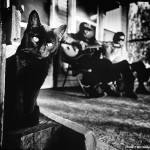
(103, 70)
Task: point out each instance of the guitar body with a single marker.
(74, 52)
(69, 50)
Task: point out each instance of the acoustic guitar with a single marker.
(73, 51)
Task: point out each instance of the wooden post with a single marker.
(2, 78)
(99, 29)
(71, 16)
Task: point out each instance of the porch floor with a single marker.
(121, 123)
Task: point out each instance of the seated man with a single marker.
(119, 53)
(103, 70)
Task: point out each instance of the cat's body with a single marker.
(25, 73)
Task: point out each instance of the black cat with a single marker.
(26, 71)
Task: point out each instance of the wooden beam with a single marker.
(100, 20)
(2, 77)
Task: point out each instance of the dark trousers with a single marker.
(142, 73)
(103, 71)
(124, 69)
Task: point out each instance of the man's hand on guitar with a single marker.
(83, 45)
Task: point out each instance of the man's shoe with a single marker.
(130, 95)
(94, 91)
(109, 91)
(142, 90)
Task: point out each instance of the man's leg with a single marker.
(128, 78)
(105, 73)
(142, 76)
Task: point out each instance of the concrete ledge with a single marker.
(88, 136)
(53, 132)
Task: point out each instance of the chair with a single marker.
(75, 73)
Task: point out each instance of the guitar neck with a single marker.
(90, 46)
(93, 46)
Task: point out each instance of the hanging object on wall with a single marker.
(15, 27)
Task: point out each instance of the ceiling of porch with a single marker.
(105, 5)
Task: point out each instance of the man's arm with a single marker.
(70, 39)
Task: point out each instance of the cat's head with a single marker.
(53, 39)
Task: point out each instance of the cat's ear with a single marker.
(54, 36)
(59, 32)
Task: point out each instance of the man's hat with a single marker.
(85, 25)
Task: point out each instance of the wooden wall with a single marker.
(124, 20)
(2, 78)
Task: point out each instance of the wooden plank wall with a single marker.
(2, 79)
(124, 19)
(59, 75)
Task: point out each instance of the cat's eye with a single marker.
(49, 44)
(35, 39)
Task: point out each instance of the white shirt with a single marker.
(116, 53)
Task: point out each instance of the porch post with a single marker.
(124, 19)
(99, 28)
(53, 15)
(71, 16)
(2, 77)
